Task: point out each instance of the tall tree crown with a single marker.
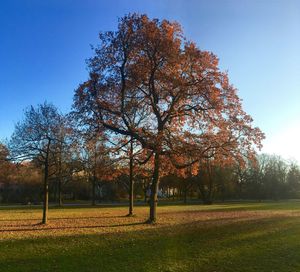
(39, 130)
(148, 82)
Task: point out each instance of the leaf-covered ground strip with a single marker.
(227, 237)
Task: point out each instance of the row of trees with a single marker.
(152, 97)
(270, 177)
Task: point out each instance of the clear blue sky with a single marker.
(44, 44)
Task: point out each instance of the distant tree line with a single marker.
(270, 178)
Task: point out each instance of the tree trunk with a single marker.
(46, 185)
(185, 195)
(46, 194)
(131, 182)
(94, 176)
(154, 189)
(145, 195)
(60, 182)
(94, 190)
(59, 193)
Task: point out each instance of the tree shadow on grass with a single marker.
(19, 220)
(63, 218)
(201, 222)
(69, 227)
(87, 217)
(41, 227)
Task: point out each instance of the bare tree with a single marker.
(66, 153)
(36, 138)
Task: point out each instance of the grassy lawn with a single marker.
(229, 237)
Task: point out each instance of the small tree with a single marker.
(96, 161)
(36, 138)
(66, 153)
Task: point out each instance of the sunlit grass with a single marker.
(223, 237)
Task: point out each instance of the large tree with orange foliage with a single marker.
(148, 82)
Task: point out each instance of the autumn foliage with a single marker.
(148, 82)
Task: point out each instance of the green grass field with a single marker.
(230, 237)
